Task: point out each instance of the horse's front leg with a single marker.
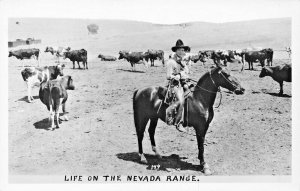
(151, 130)
(203, 165)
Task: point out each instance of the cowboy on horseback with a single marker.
(177, 74)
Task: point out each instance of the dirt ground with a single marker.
(249, 135)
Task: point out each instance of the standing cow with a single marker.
(53, 93)
(133, 58)
(77, 56)
(153, 55)
(257, 56)
(278, 73)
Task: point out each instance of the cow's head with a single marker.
(121, 55)
(10, 54)
(66, 55)
(59, 70)
(49, 49)
(208, 53)
(100, 56)
(202, 56)
(265, 71)
(146, 55)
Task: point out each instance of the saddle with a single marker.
(167, 95)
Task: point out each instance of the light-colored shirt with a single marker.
(174, 68)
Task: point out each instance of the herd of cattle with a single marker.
(53, 91)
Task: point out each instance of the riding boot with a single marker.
(179, 119)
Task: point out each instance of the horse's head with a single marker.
(221, 77)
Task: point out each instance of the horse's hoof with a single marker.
(143, 159)
(158, 155)
(206, 170)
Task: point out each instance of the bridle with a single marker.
(219, 90)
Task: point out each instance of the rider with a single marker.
(177, 74)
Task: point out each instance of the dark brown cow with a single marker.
(257, 56)
(53, 93)
(133, 58)
(153, 55)
(77, 56)
(278, 73)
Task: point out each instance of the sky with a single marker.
(155, 11)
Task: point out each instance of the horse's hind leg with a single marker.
(151, 130)
(140, 129)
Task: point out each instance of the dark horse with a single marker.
(147, 101)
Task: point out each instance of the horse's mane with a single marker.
(205, 75)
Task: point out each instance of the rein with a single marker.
(219, 90)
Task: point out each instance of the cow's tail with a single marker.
(135, 110)
(163, 59)
(37, 54)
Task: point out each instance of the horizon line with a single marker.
(154, 23)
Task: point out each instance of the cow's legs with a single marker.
(64, 111)
(146, 64)
(29, 97)
(73, 64)
(52, 118)
(38, 61)
(57, 118)
(281, 88)
(151, 130)
(86, 64)
(79, 65)
(132, 65)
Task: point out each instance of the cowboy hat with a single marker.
(179, 44)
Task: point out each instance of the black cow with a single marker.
(154, 55)
(257, 56)
(278, 73)
(53, 93)
(133, 58)
(78, 56)
(107, 58)
(25, 54)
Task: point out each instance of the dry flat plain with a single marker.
(249, 135)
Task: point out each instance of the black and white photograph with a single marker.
(149, 92)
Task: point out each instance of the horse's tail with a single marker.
(135, 110)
